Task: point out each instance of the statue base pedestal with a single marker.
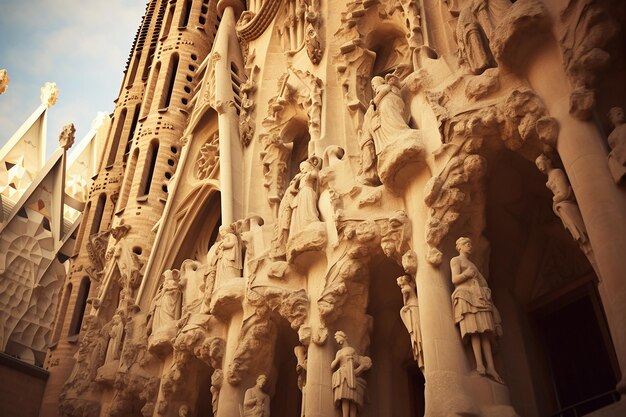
(312, 238)
(492, 397)
(395, 157)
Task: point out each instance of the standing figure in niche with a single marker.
(304, 204)
(477, 20)
(256, 403)
(166, 308)
(229, 264)
(281, 230)
(617, 143)
(473, 308)
(348, 384)
(116, 333)
(564, 204)
(410, 314)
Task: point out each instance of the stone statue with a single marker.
(304, 204)
(348, 384)
(166, 309)
(216, 385)
(116, 334)
(386, 136)
(229, 263)
(564, 204)
(617, 143)
(473, 308)
(281, 230)
(477, 20)
(410, 314)
(256, 403)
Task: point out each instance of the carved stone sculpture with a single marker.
(165, 311)
(256, 403)
(122, 266)
(216, 385)
(49, 94)
(564, 204)
(348, 384)
(229, 263)
(617, 143)
(67, 136)
(4, 80)
(410, 314)
(386, 137)
(298, 228)
(477, 20)
(116, 333)
(473, 308)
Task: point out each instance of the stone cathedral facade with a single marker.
(342, 208)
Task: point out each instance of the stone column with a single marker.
(228, 119)
(231, 396)
(602, 203)
(319, 390)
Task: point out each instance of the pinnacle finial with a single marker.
(4, 80)
(66, 138)
(49, 94)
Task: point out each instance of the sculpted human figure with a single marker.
(473, 308)
(564, 204)
(281, 230)
(348, 385)
(617, 143)
(166, 308)
(411, 316)
(116, 333)
(386, 138)
(256, 403)
(304, 204)
(229, 264)
(477, 20)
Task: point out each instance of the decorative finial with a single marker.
(49, 94)
(66, 138)
(4, 80)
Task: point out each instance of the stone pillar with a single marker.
(228, 118)
(231, 396)
(602, 203)
(319, 389)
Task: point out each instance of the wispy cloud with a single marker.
(82, 45)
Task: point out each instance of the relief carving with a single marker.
(208, 158)
(617, 143)
(449, 194)
(248, 105)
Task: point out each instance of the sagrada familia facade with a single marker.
(354, 208)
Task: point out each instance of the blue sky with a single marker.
(82, 45)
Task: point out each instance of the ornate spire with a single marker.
(49, 94)
(66, 138)
(4, 80)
